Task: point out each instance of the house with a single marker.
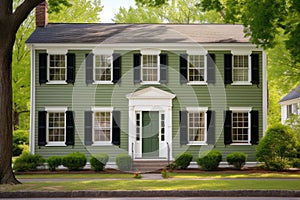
(151, 91)
(290, 104)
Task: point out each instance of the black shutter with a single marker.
(183, 68)
(255, 69)
(43, 68)
(163, 68)
(227, 68)
(116, 128)
(210, 127)
(183, 127)
(88, 127)
(70, 127)
(42, 126)
(89, 62)
(70, 68)
(211, 71)
(254, 127)
(137, 68)
(116, 67)
(228, 127)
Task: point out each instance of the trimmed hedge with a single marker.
(53, 162)
(183, 160)
(98, 162)
(237, 159)
(210, 161)
(74, 161)
(28, 162)
(123, 162)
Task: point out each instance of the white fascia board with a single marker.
(289, 102)
(138, 46)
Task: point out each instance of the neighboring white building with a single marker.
(290, 104)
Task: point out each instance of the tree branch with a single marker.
(23, 11)
(5, 8)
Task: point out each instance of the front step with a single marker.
(149, 165)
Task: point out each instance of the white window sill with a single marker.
(240, 144)
(197, 83)
(150, 83)
(57, 83)
(241, 83)
(58, 144)
(103, 83)
(197, 144)
(102, 144)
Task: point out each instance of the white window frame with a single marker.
(158, 69)
(242, 109)
(102, 109)
(294, 109)
(56, 109)
(204, 82)
(111, 69)
(197, 110)
(242, 52)
(48, 68)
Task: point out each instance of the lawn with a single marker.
(166, 184)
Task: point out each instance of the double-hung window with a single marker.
(57, 67)
(150, 68)
(56, 125)
(240, 127)
(197, 127)
(240, 68)
(103, 68)
(102, 125)
(197, 68)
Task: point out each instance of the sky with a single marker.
(111, 7)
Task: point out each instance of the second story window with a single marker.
(150, 68)
(240, 68)
(103, 64)
(196, 68)
(57, 68)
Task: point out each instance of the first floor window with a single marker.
(240, 68)
(240, 127)
(196, 68)
(56, 126)
(150, 68)
(57, 68)
(292, 109)
(196, 127)
(103, 64)
(102, 126)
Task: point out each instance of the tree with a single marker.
(10, 21)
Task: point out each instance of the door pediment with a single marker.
(151, 93)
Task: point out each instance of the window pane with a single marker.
(240, 127)
(103, 67)
(196, 67)
(102, 126)
(196, 126)
(57, 68)
(56, 126)
(150, 68)
(240, 68)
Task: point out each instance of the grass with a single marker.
(167, 184)
(172, 175)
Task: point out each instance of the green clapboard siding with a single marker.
(81, 97)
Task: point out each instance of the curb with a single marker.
(153, 193)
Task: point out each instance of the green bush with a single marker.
(237, 159)
(183, 160)
(20, 138)
(54, 162)
(74, 161)
(210, 161)
(28, 162)
(296, 163)
(98, 162)
(278, 148)
(124, 162)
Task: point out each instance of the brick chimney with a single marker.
(41, 14)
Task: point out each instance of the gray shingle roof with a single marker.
(294, 94)
(138, 33)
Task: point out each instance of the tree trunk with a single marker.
(16, 120)
(7, 38)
